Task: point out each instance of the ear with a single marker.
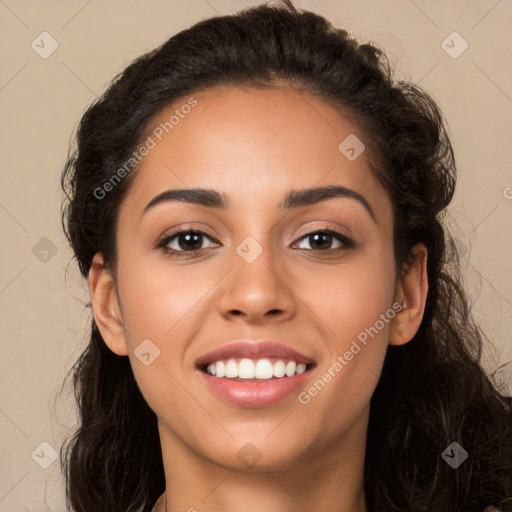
(105, 305)
(411, 292)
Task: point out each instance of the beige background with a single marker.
(43, 319)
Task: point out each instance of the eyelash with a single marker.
(162, 244)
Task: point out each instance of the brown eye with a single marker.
(322, 240)
(187, 241)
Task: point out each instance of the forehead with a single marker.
(253, 145)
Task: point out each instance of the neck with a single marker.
(325, 477)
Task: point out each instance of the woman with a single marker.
(278, 321)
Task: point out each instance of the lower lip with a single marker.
(254, 393)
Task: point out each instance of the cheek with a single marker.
(157, 297)
(351, 297)
(163, 308)
(160, 307)
(355, 305)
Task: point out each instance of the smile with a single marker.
(254, 374)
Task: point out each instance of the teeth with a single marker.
(290, 368)
(279, 369)
(301, 368)
(218, 369)
(246, 369)
(264, 369)
(260, 369)
(231, 369)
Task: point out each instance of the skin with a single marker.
(255, 146)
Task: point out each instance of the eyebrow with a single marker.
(293, 199)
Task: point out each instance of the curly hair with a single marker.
(432, 391)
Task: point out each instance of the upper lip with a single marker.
(253, 350)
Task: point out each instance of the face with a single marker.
(315, 277)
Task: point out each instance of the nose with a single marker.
(257, 291)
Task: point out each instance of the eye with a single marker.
(186, 241)
(323, 239)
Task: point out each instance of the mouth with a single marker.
(253, 375)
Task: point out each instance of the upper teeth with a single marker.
(255, 369)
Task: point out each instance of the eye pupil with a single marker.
(188, 243)
(315, 236)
